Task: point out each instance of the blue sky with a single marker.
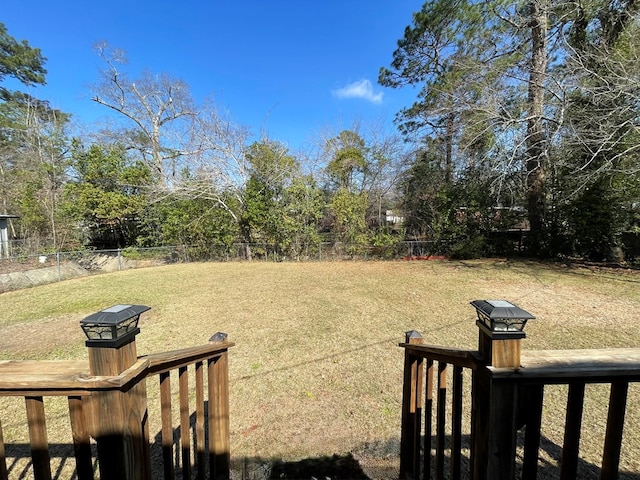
(290, 68)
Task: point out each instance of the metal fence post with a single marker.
(58, 264)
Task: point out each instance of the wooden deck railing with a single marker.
(503, 401)
(418, 398)
(198, 360)
(615, 367)
(202, 407)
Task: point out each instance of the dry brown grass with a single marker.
(316, 369)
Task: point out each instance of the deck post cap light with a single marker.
(113, 326)
(501, 319)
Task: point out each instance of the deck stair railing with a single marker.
(507, 394)
(427, 366)
(109, 415)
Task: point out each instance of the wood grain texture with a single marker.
(119, 413)
(452, 356)
(63, 378)
(185, 426)
(219, 434)
(81, 439)
(200, 447)
(167, 425)
(506, 353)
(107, 400)
(411, 411)
(165, 361)
(562, 366)
(38, 438)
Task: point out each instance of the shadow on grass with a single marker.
(338, 467)
(371, 461)
(549, 459)
(535, 268)
(63, 463)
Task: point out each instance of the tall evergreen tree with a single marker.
(20, 61)
(500, 84)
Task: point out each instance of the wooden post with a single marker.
(219, 435)
(119, 417)
(499, 352)
(494, 410)
(412, 411)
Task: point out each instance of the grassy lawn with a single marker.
(316, 369)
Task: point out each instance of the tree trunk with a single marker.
(246, 237)
(448, 169)
(536, 142)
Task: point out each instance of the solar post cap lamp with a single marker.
(113, 326)
(501, 319)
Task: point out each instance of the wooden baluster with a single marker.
(572, 429)
(81, 440)
(532, 414)
(185, 427)
(146, 445)
(167, 425)
(200, 447)
(441, 419)
(4, 475)
(428, 420)
(456, 425)
(411, 411)
(615, 425)
(38, 438)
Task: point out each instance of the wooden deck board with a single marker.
(60, 377)
(562, 365)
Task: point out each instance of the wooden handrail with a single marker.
(453, 356)
(414, 460)
(163, 361)
(71, 377)
(35, 380)
(565, 366)
(504, 400)
(62, 378)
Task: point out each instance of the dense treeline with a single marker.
(527, 105)
(527, 118)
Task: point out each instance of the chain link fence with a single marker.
(23, 257)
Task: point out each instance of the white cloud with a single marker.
(360, 89)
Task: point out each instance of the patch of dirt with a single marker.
(16, 275)
(602, 267)
(50, 333)
(12, 266)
